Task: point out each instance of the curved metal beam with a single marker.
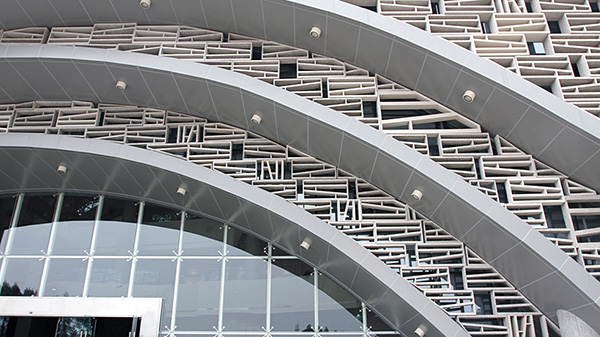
(529, 117)
(29, 163)
(49, 72)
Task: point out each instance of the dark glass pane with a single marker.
(241, 243)
(156, 278)
(109, 278)
(22, 277)
(75, 327)
(114, 238)
(201, 236)
(32, 326)
(288, 70)
(369, 109)
(119, 210)
(198, 298)
(594, 7)
(245, 302)
(554, 27)
(72, 238)
(7, 206)
(78, 208)
(65, 277)
(554, 217)
(37, 209)
(582, 222)
(338, 309)
(159, 234)
(292, 310)
(113, 327)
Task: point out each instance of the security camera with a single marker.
(420, 332)
(256, 119)
(145, 4)
(417, 195)
(121, 85)
(315, 32)
(468, 96)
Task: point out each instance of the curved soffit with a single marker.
(46, 72)
(529, 117)
(29, 165)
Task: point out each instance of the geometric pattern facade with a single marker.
(446, 271)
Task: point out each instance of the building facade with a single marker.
(478, 265)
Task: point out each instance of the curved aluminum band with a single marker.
(29, 163)
(523, 256)
(525, 114)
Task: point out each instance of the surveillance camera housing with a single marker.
(145, 4)
(417, 195)
(62, 169)
(468, 96)
(419, 332)
(121, 85)
(315, 32)
(256, 119)
(306, 244)
(181, 191)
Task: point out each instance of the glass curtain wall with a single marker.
(214, 279)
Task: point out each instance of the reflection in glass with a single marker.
(114, 238)
(292, 310)
(244, 305)
(240, 243)
(159, 234)
(201, 236)
(36, 209)
(22, 277)
(119, 210)
(109, 278)
(78, 208)
(198, 300)
(72, 238)
(156, 278)
(7, 205)
(65, 277)
(33, 228)
(75, 327)
(338, 309)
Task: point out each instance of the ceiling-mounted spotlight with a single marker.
(256, 119)
(417, 195)
(145, 4)
(306, 244)
(315, 32)
(468, 96)
(62, 168)
(121, 85)
(181, 191)
(420, 331)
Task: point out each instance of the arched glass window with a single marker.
(213, 278)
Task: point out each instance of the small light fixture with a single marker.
(306, 244)
(256, 119)
(420, 331)
(417, 195)
(145, 4)
(181, 191)
(315, 32)
(468, 96)
(61, 169)
(121, 85)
